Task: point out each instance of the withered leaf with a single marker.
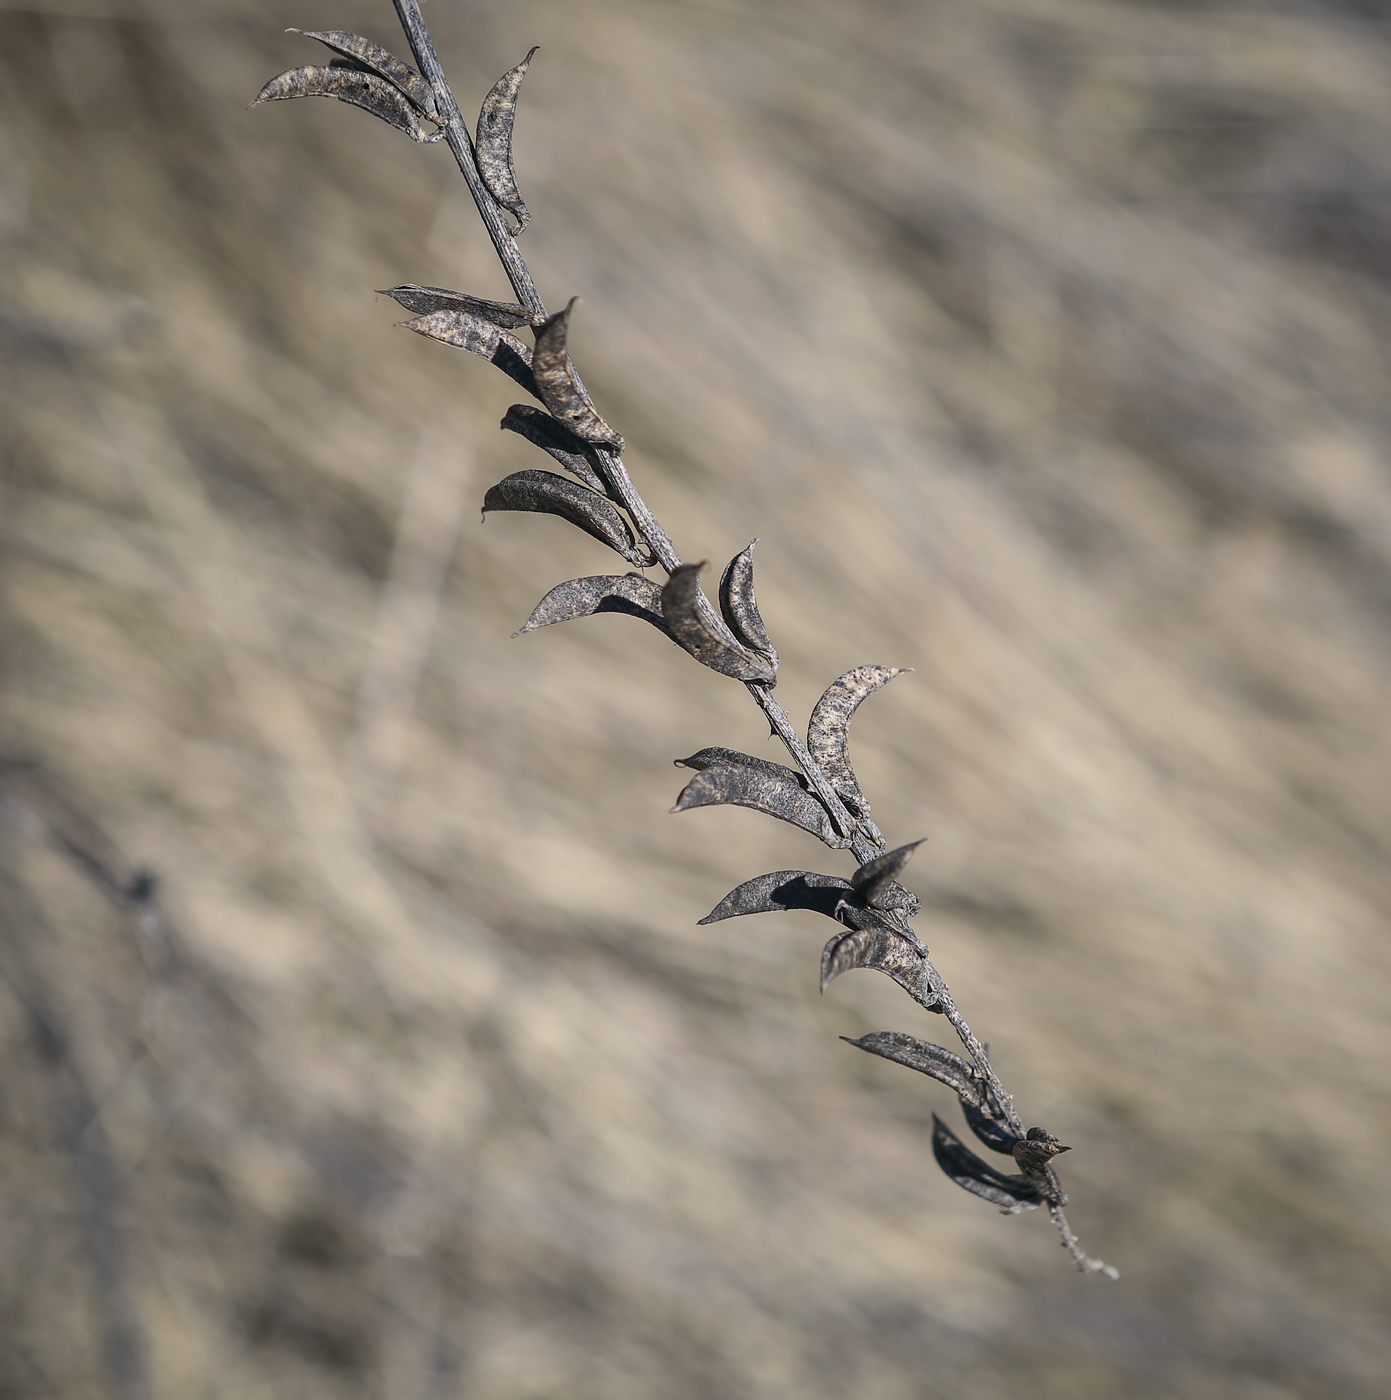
(740, 609)
(422, 300)
(559, 385)
(365, 90)
(876, 947)
(558, 440)
(993, 1132)
(582, 597)
(829, 729)
(1011, 1193)
(681, 599)
(385, 65)
(482, 337)
(935, 1060)
(717, 757)
(554, 495)
(779, 891)
(875, 880)
(747, 787)
(494, 144)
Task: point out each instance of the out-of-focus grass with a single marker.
(1045, 347)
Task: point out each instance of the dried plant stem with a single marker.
(656, 539)
(822, 795)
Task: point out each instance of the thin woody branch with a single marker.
(821, 795)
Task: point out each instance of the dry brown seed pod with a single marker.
(681, 607)
(949, 1069)
(991, 1129)
(764, 792)
(720, 757)
(875, 880)
(365, 90)
(560, 387)
(779, 891)
(539, 427)
(554, 495)
(829, 730)
(423, 300)
(379, 60)
(494, 143)
(935, 1060)
(740, 608)
(481, 337)
(583, 597)
(883, 950)
(1011, 1193)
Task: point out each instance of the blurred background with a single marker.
(1044, 343)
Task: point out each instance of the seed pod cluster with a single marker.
(821, 796)
(872, 938)
(696, 628)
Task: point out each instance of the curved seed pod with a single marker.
(994, 1133)
(718, 757)
(746, 787)
(1011, 1193)
(829, 729)
(875, 881)
(740, 609)
(365, 90)
(494, 144)
(780, 891)
(482, 337)
(681, 607)
(583, 597)
(554, 495)
(383, 64)
(422, 300)
(921, 1055)
(560, 387)
(882, 949)
(550, 436)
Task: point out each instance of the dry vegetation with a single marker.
(1044, 345)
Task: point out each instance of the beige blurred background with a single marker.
(1044, 343)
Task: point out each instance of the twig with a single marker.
(822, 795)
